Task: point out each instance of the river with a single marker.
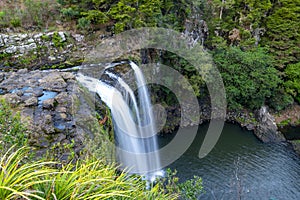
(240, 166)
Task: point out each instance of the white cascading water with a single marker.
(134, 124)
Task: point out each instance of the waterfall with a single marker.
(134, 124)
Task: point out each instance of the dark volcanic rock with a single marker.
(267, 129)
(32, 101)
(53, 82)
(48, 103)
(45, 106)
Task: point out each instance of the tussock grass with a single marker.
(87, 179)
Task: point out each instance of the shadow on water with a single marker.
(240, 166)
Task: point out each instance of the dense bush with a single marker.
(292, 84)
(248, 76)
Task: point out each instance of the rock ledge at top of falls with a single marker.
(48, 102)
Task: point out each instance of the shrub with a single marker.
(83, 23)
(15, 22)
(12, 130)
(280, 99)
(249, 76)
(292, 85)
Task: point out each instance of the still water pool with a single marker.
(240, 166)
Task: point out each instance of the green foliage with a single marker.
(225, 16)
(283, 32)
(2, 14)
(285, 122)
(15, 22)
(89, 180)
(96, 16)
(83, 23)
(280, 99)
(12, 130)
(69, 13)
(267, 23)
(57, 40)
(248, 76)
(86, 179)
(189, 189)
(186, 69)
(17, 179)
(292, 85)
(127, 14)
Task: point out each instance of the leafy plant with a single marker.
(249, 76)
(57, 40)
(285, 122)
(83, 23)
(17, 179)
(12, 130)
(189, 189)
(292, 85)
(15, 22)
(87, 179)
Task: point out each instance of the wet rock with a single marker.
(250, 127)
(46, 124)
(37, 91)
(296, 146)
(23, 71)
(61, 109)
(40, 141)
(78, 37)
(63, 98)
(267, 129)
(53, 82)
(68, 75)
(59, 127)
(63, 115)
(48, 103)
(2, 92)
(32, 101)
(19, 92)
(1, 77)
(59, 137)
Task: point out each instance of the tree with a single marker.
(282, 32)
(292, 85)
(248, 76)
(236, 22)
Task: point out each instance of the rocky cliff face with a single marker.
(40, 50)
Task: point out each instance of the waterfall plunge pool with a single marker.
(240, 166)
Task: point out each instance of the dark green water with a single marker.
(241, 166)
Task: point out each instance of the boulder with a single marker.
(48, 103)
(267, 130)
(13, 99)
(53, 82)
(32, 101)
